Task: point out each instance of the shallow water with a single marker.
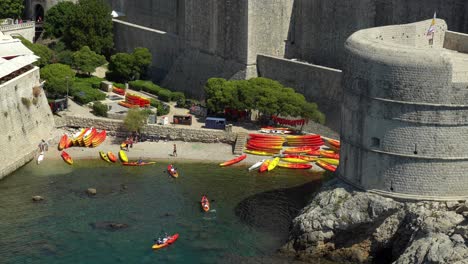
(250, 214)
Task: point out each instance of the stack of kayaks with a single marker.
(266, 145)
(305, 140)
(86, 137)
(233, 161)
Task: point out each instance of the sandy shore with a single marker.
(162, 150)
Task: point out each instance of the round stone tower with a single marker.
(404, 127)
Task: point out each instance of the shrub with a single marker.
(119, 85)
(100, 109)
(35, 100)
(83, 93)
(146, 86)
(163, 109)
(165, 95)
(178, 96)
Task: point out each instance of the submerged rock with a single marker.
(347, 225)
(91, 191)
(108, 225)
(37, 198)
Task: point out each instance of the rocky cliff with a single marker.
(350, 226)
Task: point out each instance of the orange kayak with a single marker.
(63, 142)
(66, 157)
(326, 166)
(111, 156)
(235, 160)
(264, 166)
(294, 165)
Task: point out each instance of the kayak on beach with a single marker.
(111, 156)
(66, 157)
(235, 160)
(104, 156)
(123, 156)
(256, 165)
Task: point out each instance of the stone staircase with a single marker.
(241, 140)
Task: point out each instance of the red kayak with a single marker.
(205, 203)
(66, 157)
(63, 142)
(172, 171)
(326, 166)
(264, 166)
(111, 156)
(235, 160)
(170, 240)
(294, 165)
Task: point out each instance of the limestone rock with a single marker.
(37, 198)
(91, 191)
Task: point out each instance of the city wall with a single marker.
(25, 120)
(308, 79)
(168, 132)
(26, 30)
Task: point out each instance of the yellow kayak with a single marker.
(273, 163)
(294, 160)
(123, 156)
(261, 153)
(104, 156)
(335, 162)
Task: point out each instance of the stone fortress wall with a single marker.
(404, 114)
(23, 126)
(26, 30)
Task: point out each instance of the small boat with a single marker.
(66, 157)
(264, 166)
(326, 166)
(235, 160)
(111, 156)
(300, 149)
(40, 158)
(256, 165)
(123, 156)
(104, 156)
(205, 203)
(273, 163)
(335, 162)
(294, 160)
(330, 155)
(294, 165)
(172, 171)
(135, 163)
(260, 153)
(170, 240)
(63, 142)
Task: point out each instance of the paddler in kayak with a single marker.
(140, 161)
(162, 240)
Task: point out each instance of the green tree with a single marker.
(86, 61)
(127, 67)
(11, 8)
(90, 25)
(135, 119)
(44, 53)
(121, 64)
(142, 60)
(55, 76)
(58, 19)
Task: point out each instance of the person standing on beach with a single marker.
(174, 152)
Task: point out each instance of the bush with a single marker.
(163, 109)
(119, 85)
(178, 96)
(100, 109)
(165, 95)
(83, 91)
(146, 86)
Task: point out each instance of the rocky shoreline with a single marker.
(347, 225)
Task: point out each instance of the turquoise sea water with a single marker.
(250, 214)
